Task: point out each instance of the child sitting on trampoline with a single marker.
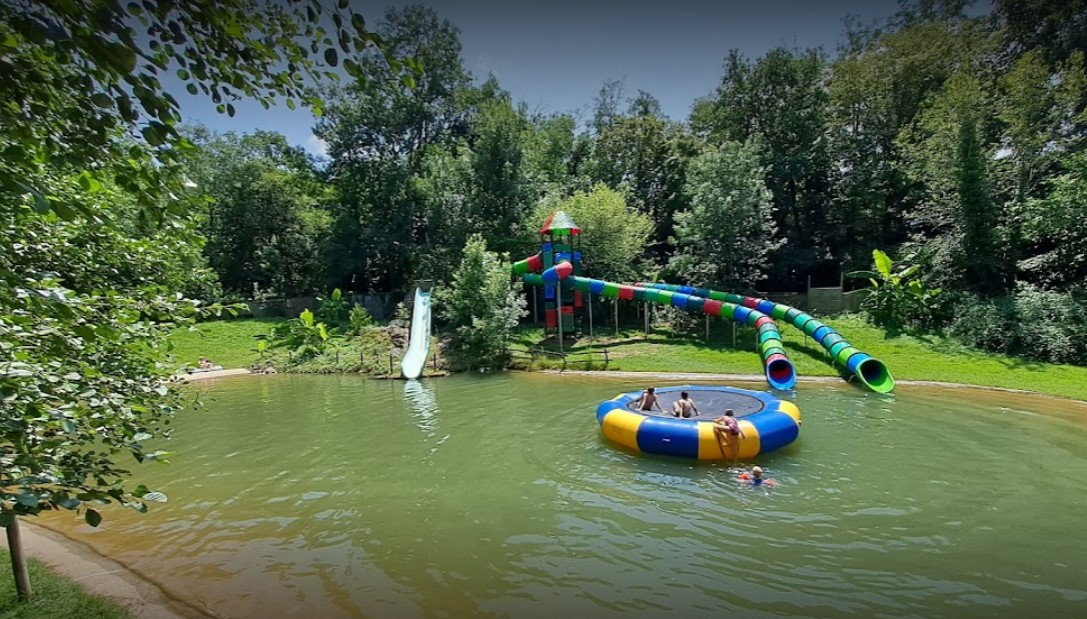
(684, 406)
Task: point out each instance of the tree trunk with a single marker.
(18, 561)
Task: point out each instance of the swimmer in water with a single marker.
(755, 478)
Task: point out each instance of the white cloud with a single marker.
(317, 146)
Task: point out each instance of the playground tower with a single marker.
(561, 242)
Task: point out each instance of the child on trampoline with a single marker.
(684, 406)
(648, 400)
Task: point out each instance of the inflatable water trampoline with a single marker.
(768, 423)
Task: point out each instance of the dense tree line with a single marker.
(953, 142)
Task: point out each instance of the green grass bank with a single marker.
(53, 597)
(909, 357)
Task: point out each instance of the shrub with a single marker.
(1035, 324)
(482, 308)
(333, 310)
(360, 319)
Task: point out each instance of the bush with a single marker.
(1035, 324)
(360, 319)
(986, 324)
(482, 308)
(333, 310)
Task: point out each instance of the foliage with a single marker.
(482, 308)
(267, 221)
(334, 310)
(1033, 323)
(645, 156)
(780, 101)
(360, 319)
(724, 239)
(898, 299)
(1057, 228)
(78, 75)
(613, 235)
(303, 336)
(378, 132)
(948, 151)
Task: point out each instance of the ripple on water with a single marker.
(496, 496)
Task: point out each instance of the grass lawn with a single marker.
(53, 597)
(228, 343)
(908, 357)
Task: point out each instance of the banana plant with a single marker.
(897, 298)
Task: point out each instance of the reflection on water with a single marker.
(424, 406)
(339, 497)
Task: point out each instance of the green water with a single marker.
(308, 496)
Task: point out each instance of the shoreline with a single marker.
(688, 376)
(199, 376)
(102, 576)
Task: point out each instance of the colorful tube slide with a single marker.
(779, 370)
(871, 372)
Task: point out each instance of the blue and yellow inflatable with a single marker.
(768, 423)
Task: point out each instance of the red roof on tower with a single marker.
(560, 224)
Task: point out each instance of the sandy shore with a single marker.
(101, 575)
(189, 378)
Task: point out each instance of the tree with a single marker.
(378, 132)
(724, 239)
(614, 236)
(878, 87)
(1056, 230)
(957, 219)
(645, 156)
(781, 101)
(76, 75)
(267, 223)
(482, 308)
(499, 189)
(82, 111)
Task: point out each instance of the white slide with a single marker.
(411, 366)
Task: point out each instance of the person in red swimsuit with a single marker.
(728, 433)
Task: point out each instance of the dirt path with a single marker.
(101, 575)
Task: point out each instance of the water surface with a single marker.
(337, 497)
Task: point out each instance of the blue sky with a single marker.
(554, 56)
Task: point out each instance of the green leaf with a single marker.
(407, 80)
(290, 104)
(93, 518)
(102, 100)
(192, 89)
(70, 503)
(153, 135)
(883, 263)
(331, 57)
(358, 22)
(89, 183)
(343, 4)
(27, 498)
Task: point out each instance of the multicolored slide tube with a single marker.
(779, 370)
(871, 372)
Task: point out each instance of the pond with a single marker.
(337, 496)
